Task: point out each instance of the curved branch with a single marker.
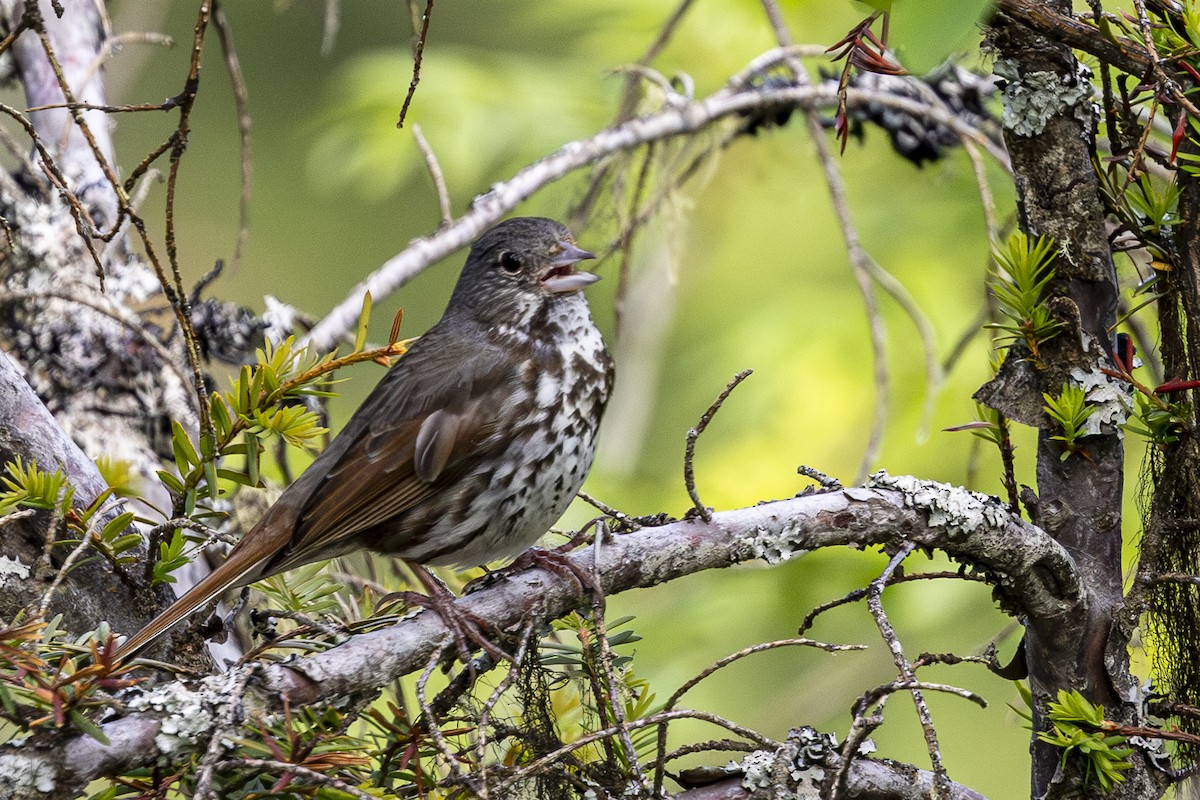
(676, 119)
(1034, 577)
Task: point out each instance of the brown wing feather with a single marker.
(367, 475)
(417, 441)
(243, 565)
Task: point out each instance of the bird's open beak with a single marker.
(561, 276)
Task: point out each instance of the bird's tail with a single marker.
(236, 570)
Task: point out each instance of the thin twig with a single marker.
(534, 767)
(1174, 577)
(629, 226)
(84, 544)
(689, 455)
(860, 594)
(1009, 461)
(432, 727)
(616, 708)
(875, 603)
(514, 671)
(826, 482)
(660, 762)
(626, 111)
(623, 519)
(712, 746)
(173, 286)
(241, 103)
(435, 172)
(418, 52)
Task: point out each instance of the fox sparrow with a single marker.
(469, 448)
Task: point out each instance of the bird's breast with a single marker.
(562, 382)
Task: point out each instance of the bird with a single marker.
(468, 449)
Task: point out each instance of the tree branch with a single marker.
(1124, 54)
(867, 779)
(1034, 576)
(675, 119)
(93, 589)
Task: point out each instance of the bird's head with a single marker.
(518, 267)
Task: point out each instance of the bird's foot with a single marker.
(467, 628)
(557, 561)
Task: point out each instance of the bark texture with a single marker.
(1050, 134)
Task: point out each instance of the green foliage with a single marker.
(1024, 270)
(116, 541)
(572, 657)
(50, 681)
(1168, 39)
(994, 427)
(1162, 423)
(1079, 726)
(30, 487)
(1187, 161)
(1157, 208)
(1071, 411)
(265, 400)
(307, 590)
(119, 475)
(584, 664)
(34, 488)
(171, 556)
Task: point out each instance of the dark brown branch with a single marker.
(693, 434)
(1124, 54)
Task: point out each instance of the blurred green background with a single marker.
(747, 268)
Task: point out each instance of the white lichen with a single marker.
(12, 568)
(954, 509)
(775, 546)
(1111, 398)
(22, 775)
(189, 715)
(806, 751)
(756, 769)
(280, 319)
(1032, 99)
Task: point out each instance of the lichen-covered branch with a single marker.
(1061, 26)
(800, 768)
(1033, 577)
(93, 590)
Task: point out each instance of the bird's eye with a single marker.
(510, 263)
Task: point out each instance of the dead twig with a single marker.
(689, 473)
(661, 745)
(418, 53)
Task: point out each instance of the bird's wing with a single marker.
(417, 431)
(408, 438)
